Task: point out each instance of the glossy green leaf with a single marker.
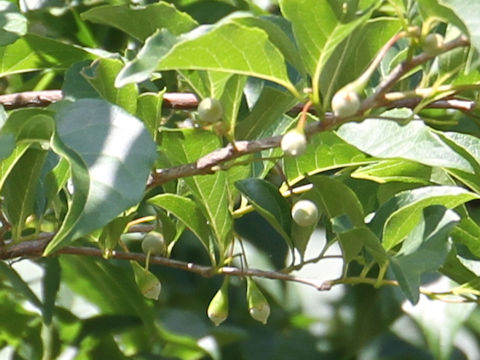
(149, 110)
(230, 47)
(188, 212)
(101, 76)
(33, 52)
(131, 19)
(397, 217)
(325, 151)
(12, 23)
(187, 146)
(111, 155)
(425, 249)
(413, 141)
(269, 203)
(467, 232)
(318, 30)
(395, 170)
(19, 189)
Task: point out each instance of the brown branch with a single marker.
(403, 68)
(35, 248)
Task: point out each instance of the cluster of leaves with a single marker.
(391, 183)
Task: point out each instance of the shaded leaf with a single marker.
(19, 189)
(19, 285)
(50, 287)
(425, 249)
(269, 203)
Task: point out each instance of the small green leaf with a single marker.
(6, 165)
(132, 20)
(147, 283)
(110, 235)
(187, 211)
(149, 109)
(111, 155)
(269, 203)
(19, 189)
(397, 217)
(12, 23)
(425, 249)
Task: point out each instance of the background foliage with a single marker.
(121, 152)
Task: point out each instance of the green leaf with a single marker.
(396, 218)
(280, 33)
(188, 212)
(206, 83)
(318, 30)
(413, 141)
(8, 164)
(33, 52)
(269, 203)
(368, 239)
(395, 171)
(425, 249)
(336, 199)
(187, 146)
(149, 109)
(147, 283)
(469, 13)
(142, 21)
(267, 115)
(111, 155)
(325, 151)
(229, 47)
(231, 100)
(355, 53)
(101, 76)
(19, 189)
(440, 10)
(467, 232)
(110, 235)
(19, 285)
(50, 287)
(12, 23)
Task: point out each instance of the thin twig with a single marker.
(35, 248)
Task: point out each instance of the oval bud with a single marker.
(305, 213)
(218, 309)
(210, 110)
(345, 102)
(153, 243)
(258, 306)
(294, 143)
(432, 44)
